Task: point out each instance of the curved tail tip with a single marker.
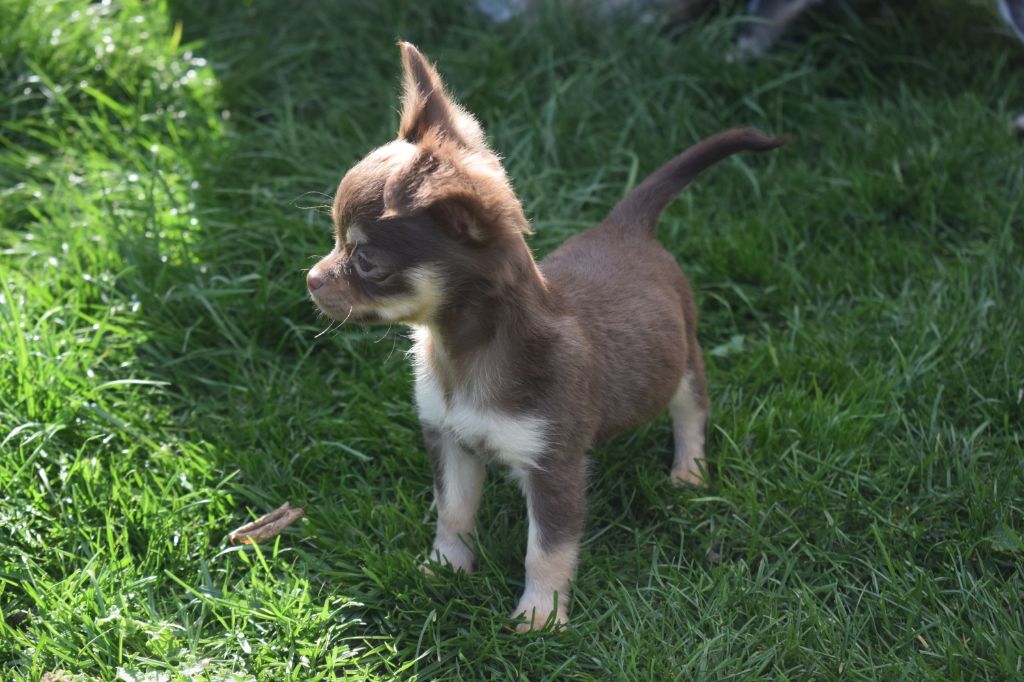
(760, 141)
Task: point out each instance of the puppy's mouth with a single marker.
(366, 317)
(410, 304)
(345, 312)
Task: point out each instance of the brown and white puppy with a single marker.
(517, 364)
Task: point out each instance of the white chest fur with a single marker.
(516, 440)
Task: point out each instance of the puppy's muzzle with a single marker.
(314, 280)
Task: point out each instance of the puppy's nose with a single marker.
(314, 280)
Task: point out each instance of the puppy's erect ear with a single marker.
(459, 216)
(440, 186)
(427, 109)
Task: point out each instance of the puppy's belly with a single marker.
(631, 406)
(633, 304)
(639, 364)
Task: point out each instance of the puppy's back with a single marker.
(631, 298)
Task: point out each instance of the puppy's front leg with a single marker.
(458, 483)
(556, 503)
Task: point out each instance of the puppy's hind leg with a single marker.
(689, 410)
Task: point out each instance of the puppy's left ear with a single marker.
(426, 107)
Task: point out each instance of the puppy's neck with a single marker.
(489, 322)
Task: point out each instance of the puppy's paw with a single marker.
(458, 557)
(688, 477)
(539, 612)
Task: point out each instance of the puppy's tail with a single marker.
(638, 211)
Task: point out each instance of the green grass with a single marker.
(163, 176)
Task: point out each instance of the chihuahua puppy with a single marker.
(516, 363)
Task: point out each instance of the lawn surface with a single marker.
(164, 172)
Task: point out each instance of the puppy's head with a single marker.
(419, 217)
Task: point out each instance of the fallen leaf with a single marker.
(267, 526)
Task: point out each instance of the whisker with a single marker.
(394, 344)
(335, 327)
(329, 325)
(350, 308)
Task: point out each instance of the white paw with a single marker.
(456, 555)
(539, 612)
(684, 477)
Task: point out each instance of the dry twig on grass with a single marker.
(267, 526)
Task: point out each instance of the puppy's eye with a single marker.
(366, 268)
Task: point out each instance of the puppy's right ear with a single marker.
(426, 107)
(440, 187)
